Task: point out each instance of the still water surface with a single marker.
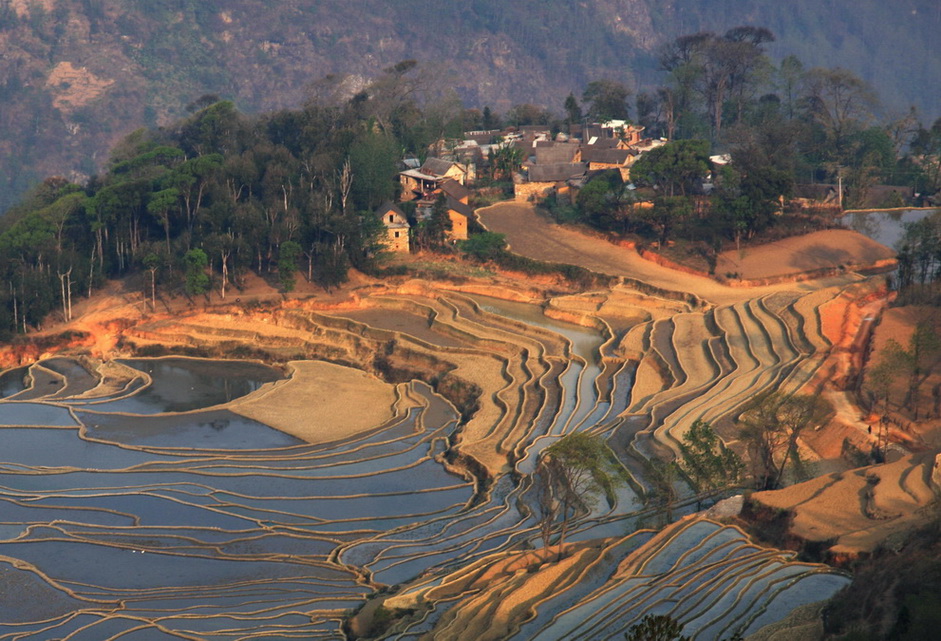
(886, 227)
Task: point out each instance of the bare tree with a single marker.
(840, 102)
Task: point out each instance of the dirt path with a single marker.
(534, 236)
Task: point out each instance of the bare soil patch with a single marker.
(813, 252)
(535, 236)
(74, 87)
(322, 402)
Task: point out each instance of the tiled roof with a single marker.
(556, 172)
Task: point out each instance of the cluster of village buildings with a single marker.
(550, 165)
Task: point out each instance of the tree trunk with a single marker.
(15, 316)
(91, 270)
(225, 272)
(68, 290)
(153, 289)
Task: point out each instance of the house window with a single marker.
(396, 234)
(391, 218)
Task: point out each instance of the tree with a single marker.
(598, 199)
(656, 627)
(772, 424)
(490, 120)
(484, 246)
(197, 280)
(438, 224)
(373, 157)
(160, 205)
(650, 109)
(717, 69)
(505, 160)
(840, 103)
(749, 192)
(573, 112)
(288, 254)
(212, 130)
(152, 263)
(607, 100)
(192, 179)
(917, 362)
(662, 475)
(746, 63)
(527, 114)
(674, 167)
(570, 475)
(667, 213)
(790, 76)
(732, 208)
(919, 254)
(706, 461)
(926, 147)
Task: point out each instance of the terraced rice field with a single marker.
(140, 501)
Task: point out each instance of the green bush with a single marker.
(484, 246)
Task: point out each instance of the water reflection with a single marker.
(183, 385)
(204, 524)
(886, 227)
(204, 521)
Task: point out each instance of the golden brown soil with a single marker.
(537, 237)
(316, 403)
(792, 256)
(861, 508)
(74, 87)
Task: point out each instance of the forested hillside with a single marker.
(78, 75)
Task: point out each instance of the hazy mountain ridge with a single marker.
(140, 62)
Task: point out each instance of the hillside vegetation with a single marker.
(80, 74)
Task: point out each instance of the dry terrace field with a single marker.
(535, 236)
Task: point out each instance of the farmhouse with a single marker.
(418, 182)
(459, 213)
(397, 227)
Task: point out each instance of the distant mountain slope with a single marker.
(76, 75)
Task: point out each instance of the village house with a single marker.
(599, 158)
(556, 153)
(622, 130)
(456, 190)
(541, 180)
(418, 182)
(563, 165)
(459, 213)
(396, 223)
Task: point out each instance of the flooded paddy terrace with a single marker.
(154, 506)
